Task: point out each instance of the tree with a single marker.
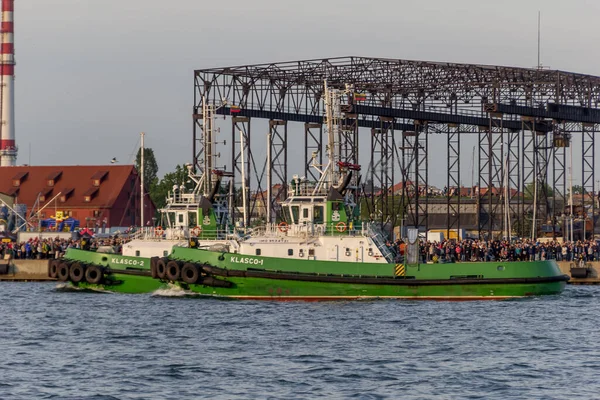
(577, 189)
(159, 191)
(150, 168)
(530, 189)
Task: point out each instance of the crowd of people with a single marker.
(444, 251)
(36, 248)
(503, 250)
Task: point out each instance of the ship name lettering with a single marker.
(126, 262)
(246, 260)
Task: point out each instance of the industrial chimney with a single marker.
(8, 147)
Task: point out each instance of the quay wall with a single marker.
(27, 270)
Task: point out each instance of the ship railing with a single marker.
(310, 229)
(183, 199)
(181, 233)
(304, 190)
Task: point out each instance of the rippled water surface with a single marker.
(59, 344)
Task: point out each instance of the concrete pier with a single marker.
(27, 270)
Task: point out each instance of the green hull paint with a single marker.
(265, 288)
(270, 289)
(121, 283)
(115, 281)
(113, 261)
(499, 270)
(135, 277)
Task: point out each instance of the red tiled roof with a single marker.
(76, 179)
(54, 175)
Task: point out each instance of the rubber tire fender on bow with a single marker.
(94, 274)
(173, 271)
(190, 273)
(53, 268)
(161, 268)
(62, 273)
(76, 272)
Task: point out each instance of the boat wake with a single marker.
(174, 291)
(68, 287)
(178, 292)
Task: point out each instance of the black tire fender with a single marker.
(190, 273)
(153, 261)
(62, 272)
(161, 268)
(53, 268)
(94, 274)
(76, 272)
(173, 271)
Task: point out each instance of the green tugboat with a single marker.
(319, 251)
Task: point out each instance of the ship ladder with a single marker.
(377, 237)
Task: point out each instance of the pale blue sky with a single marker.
(92, 74)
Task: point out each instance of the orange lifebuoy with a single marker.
(283, 226)
(340, 226)
(197, 231)
(158, 231)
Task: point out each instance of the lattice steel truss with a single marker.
(519, 115)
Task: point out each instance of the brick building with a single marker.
(96, 195)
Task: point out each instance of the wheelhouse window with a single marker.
(290, 252)
(318, 217)
(295, 214)
(257, 252)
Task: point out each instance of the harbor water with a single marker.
(61, 344)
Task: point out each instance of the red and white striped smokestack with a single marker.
(8, 147)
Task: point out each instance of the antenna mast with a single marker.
(539, 65)
(142, 180)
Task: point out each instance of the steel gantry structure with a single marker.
(523, 121)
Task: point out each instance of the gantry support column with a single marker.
(240, 124)
(313, 146)
(414, 169)
(491, 176)
(382, 171)
(542, 150)
(453, 181)
(528, 175)
(349, 141)
(588, 160)
(560, 142)
(277, 168)
(514, 179)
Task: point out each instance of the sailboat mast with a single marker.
(142, 180)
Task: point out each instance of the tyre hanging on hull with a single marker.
(53, 268)
(94, 274)
(62, 272)
(76, 272)
(190, 273)
(153, 272)
(173, 271)
(161, 268)
(214, 282)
